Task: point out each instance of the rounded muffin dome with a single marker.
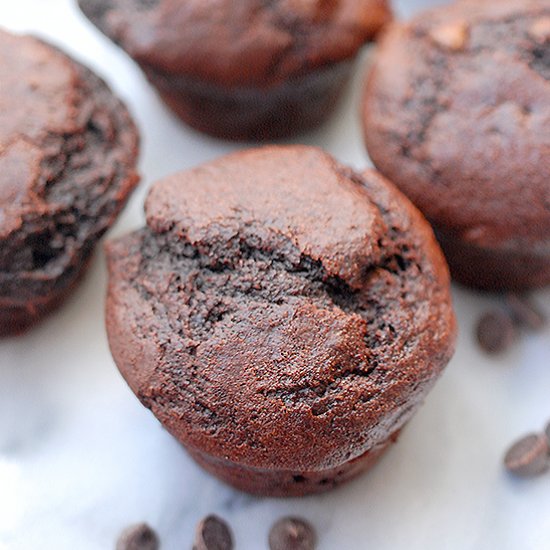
(280, 314)
(248, 69)
(68, 150)
(243, 43)
(457, 114)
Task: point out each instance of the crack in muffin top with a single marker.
(277, 300)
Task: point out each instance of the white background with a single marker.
(80, 458)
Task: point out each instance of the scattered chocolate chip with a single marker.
(525, 313)
(495, 332)
(138, 537)
(530, 456)
(213, 533)
(292, 534)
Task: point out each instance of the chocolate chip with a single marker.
(138, 537)
(292, 534)
(530, 456)
(213, 533)
(525, 313)
(495, 332)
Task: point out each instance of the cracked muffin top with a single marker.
(277, 302)
(457, 114)
(249, 42)
(68, 151)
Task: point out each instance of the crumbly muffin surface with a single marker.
(279, 310)
(67, 165)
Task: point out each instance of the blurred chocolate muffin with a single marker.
(68, 152)
(246, 70)
(457, 115)
(281, 315)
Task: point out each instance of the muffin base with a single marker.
(286, 483)
(249, 114)
(493, 270)
(17, 319)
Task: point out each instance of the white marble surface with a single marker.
(80, 458)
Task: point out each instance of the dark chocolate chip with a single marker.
(525, 313)
(213, 533)
(529, 456)
(292, 534)
(496, 332)
(138, 537)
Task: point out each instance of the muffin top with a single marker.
(238, 43)
(457, 114)
(67, 152)
(37, 97)
(277, 302)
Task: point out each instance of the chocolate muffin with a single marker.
(457, 114)
(67, 165)
(282, 316)
(246, 70)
